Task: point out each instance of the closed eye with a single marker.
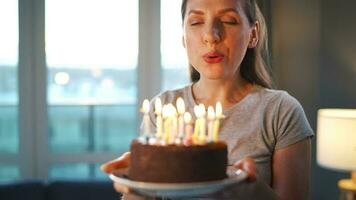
(226, 19)
(230, 22)
(195, 23)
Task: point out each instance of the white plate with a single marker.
(179, 190)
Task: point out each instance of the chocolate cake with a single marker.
(177, 163)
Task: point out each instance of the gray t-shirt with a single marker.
(261, 122)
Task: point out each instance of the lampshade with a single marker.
(336, 139)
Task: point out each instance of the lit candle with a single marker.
(181, 111)
(166, 124)
(146, 117)
(202, 135)
(188, 140)
(211, 118)
(159, 122)
(219, 116)
(174, 124)
(197, 124)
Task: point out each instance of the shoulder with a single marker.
(170, 96)
(288, 113)
(289, 121)
(278, 98)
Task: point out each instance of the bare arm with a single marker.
(291, 171)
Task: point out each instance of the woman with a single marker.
(266, 130)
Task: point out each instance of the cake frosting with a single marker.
(177, 163)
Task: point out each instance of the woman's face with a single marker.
(216, 36)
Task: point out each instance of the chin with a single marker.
(214, 74)
(217, 71)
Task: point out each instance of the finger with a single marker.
(121, 188)
(121, 162)
(120, 171)
(248, 165)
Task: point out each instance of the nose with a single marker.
(212, 34)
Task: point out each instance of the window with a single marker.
(174, 65)
(81, 81)
(91, 90)
(9, 137)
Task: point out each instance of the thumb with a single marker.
(119, 163)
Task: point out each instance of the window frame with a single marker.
(34, 158)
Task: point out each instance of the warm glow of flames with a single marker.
(211, 113)
(158, 106)
(172, 110)
(180, 106)
(145, 106)
(197, 111)
(202, 109)
(218, 109)
(187, 117)
(165, 111)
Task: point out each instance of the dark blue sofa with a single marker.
(58, 190)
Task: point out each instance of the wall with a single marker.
(313, 45)
(337, 74)
(338, 54)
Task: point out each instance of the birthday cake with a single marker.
(177, 153)
(177, 163)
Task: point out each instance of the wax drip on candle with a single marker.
(181, 111)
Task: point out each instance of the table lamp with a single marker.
(336, 143)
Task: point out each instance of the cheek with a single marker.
(238, 45)
(191, 45)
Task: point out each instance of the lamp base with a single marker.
(348, 184)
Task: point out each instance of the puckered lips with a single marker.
(213, 57)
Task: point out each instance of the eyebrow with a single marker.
(198, 12)
(225, 10)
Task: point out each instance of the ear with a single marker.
(254, 36)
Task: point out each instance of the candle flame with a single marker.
(197, 111)
(180, 106)
(218, 109)
(165, 111)
(158, 106)
(171, 110)
(202, 109)
(187, 117)
(211, 113)
(145, 106)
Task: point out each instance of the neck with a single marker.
(228, 92)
